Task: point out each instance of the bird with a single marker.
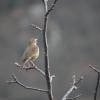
(31, 52)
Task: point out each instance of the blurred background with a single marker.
(73, 40)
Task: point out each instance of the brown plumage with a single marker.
(32, 51)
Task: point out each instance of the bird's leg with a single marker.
(32, 63)
(26, 62)
(37, 68)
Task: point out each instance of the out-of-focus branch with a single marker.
(37, 27)
(46, 58)
(73, 88)
(95, 69)
(51, 8)
(73, 97)
(98, 80)
(45, 2)
(15, 80)
(97, 86)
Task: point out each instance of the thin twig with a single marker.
(37, 27)
(73, 88)
(74, 97)
(51, 8)
(51, 78)
(38, 69)
(15, 80)
(98, 80)
(95, 69)
(46, 58)
(97, 86)
(31, 67)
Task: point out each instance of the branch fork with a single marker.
(15, 80)
(73, 88)
(33, 66)
(98, 80)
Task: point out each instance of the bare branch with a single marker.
(37, 27)
(18, 65)
(45, 2)
(15, 80)
(38, 69)
(98, 80)
(51, 78)
(51, 8)
(95, 69)
(73, 88)
(46, 58)
(97, 86)
(79, 80)
(74, 97)
(31, 67)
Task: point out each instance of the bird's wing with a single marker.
(30, 52)
(26, 54)
(35, 51)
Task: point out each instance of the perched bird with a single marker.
(31, 52)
